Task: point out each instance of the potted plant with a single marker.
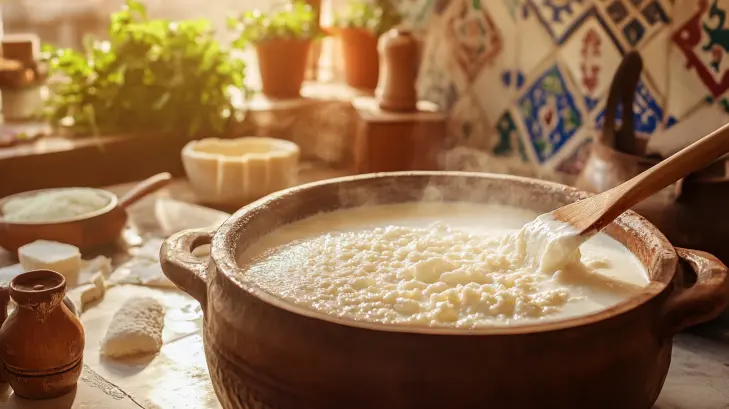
(359, 29)
(151, 76)
(282, 39)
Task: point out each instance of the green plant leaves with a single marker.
(295, 19)
(150, 76)
(375, 16)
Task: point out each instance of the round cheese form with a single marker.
(436, 264)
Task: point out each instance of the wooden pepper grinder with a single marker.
(395, 131)
(42, 341)
(399, 50)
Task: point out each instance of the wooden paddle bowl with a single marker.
(86, 231)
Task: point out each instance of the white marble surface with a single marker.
(177, 377)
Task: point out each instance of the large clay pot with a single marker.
(263, 352)
(361, 60)
(282, 64)
(42, 342)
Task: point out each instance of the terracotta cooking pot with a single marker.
(86, 231)
(264, 352)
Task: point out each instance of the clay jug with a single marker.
(42, 341)
(399, 50)
(691, 212)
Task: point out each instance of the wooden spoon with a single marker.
(591, 215)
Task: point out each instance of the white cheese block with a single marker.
(51, 255)
(88, 293)
(135, 329)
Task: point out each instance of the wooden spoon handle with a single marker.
(692, 158)
(145, 187)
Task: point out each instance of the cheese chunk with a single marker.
(51, 255)
(135, 329)
(85, 294)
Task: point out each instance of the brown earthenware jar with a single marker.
(691, 212)
(399, 50)
(42, 342)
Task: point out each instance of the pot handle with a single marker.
(4, 301)
(184, 269)
(705, 299)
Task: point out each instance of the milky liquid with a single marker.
(453, 264)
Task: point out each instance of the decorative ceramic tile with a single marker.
(514, 7)
(468, 126)
(655, 61)
(592, 57)
(704, 42)
(534, 44)
(439, 80)
(685, 88)
(473, 36)
(415, 13)
(550, 112)
(648, 114)
(509, 140)
(539, 71)
(560, 17)
(636, 22)
(498, 82)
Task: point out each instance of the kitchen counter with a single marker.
(178, 378)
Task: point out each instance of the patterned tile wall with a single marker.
(526, 80)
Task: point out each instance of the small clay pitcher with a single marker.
(42, 341)
(399, 51)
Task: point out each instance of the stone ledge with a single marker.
(321, 123)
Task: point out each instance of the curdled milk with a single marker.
(439, 264)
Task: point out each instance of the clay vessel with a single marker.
(263, 352)
(87, 231)
(282, 64)
(399, 51)
(690, 213)
(361, 60)
(42, 342)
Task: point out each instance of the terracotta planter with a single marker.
(361, 60)
(263, 352)
(42, 340)
(282, 64)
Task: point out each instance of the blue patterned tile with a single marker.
(560, 17)
(648, 113)
(550, 113)
(636, 22)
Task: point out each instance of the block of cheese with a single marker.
(85, 294)
(135, 329)
(51, 255)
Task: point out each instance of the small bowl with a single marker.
(86, 231)
(234, 172)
